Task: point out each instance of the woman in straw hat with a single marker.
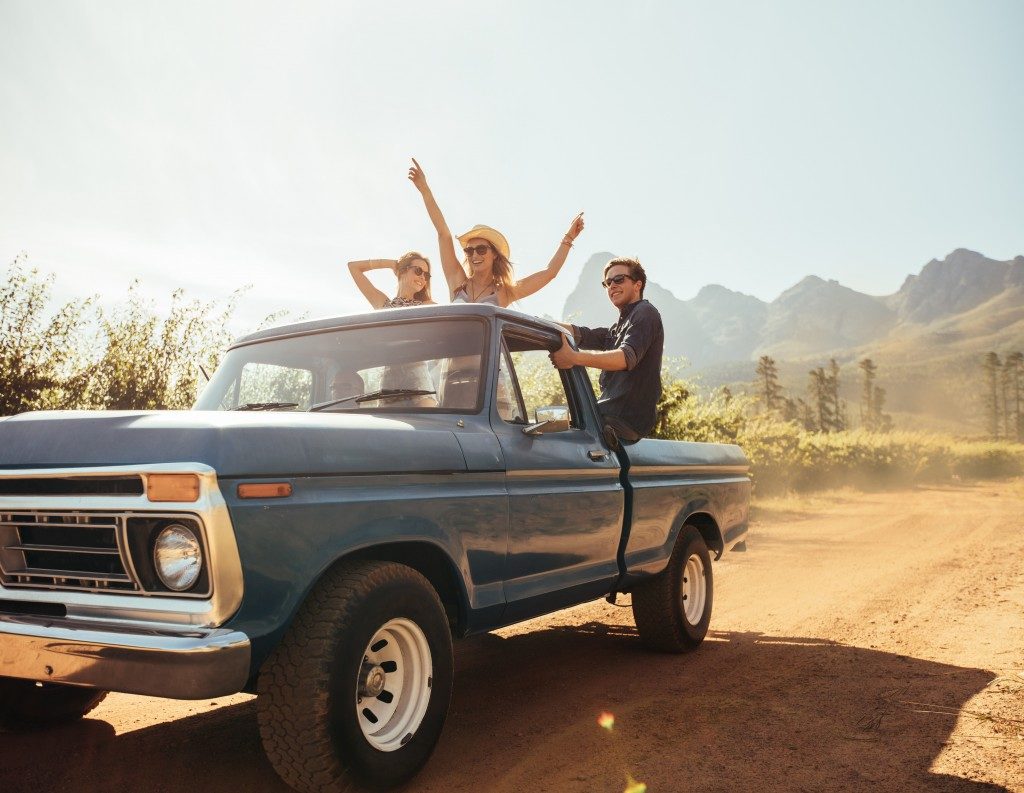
(485, 275)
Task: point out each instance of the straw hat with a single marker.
(493, 236)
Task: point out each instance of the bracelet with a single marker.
(567, 241)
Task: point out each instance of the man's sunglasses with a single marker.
(616, 279)
(479, 250)
(418, 270)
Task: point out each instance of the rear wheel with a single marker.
(673, 609)
(27, 705)
(358, 689)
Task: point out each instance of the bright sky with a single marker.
(212, 145)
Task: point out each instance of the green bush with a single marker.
(987, 459)
(80, 355)
(41, 355)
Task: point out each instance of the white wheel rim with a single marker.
(694, 589)
(390, 719)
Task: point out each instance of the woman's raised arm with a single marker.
(454, 273)
(529, 284)
(358, 271)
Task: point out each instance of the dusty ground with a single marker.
(864, 642)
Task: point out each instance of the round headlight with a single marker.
(178, 557)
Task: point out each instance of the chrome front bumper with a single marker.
(186, 664)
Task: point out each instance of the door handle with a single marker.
(597, 455)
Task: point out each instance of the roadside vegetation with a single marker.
(82, 356)
(809, 443)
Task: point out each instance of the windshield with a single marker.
(432, 365)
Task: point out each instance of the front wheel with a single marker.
(673, 609)
(358, 689)
(27, 705)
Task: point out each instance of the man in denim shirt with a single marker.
(630, 353)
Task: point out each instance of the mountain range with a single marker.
(815, 317)
(939, 322)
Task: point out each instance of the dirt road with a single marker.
(864, 642)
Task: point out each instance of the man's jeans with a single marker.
(626, 433)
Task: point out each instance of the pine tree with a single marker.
(882, 421)
(821, 401)
(872, 400)
(805, 415)
(992, 367)
(769, 390)
(791, 410)
(838, 406)
(1013, 371)
(867, 394)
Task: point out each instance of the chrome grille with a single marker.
(64, 550)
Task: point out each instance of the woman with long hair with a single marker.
(485, 274)
(412, 271)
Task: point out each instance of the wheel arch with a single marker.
(428, 560)
(704, 523)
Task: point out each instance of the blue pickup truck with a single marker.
(347, 497)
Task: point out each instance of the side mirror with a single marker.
(550, 418)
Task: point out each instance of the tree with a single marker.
(152, 364)
(828, 411)
(867, 394)
(882, 421)
(768, 389)
(820, 400)
(791, 409)
(992, 367)
(838, 405)
(805, 415)
(1013, 374)
(40, 352)
(872, 400)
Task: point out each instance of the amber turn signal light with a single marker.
(265, 490)
(172, 487)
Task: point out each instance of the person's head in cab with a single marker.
(346, 383)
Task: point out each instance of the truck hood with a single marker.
(233, 444)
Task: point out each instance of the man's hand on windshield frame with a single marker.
(564, 357)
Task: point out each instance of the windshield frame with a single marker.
(482, 386)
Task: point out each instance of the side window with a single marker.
(528, 382)
(509, 402)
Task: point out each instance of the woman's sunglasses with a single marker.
(479, 250)
(418, 270)
(616, 279)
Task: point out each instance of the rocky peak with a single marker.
(816, 315)
(963, 280)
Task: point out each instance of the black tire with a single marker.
(660, 604)
(27, 705)
(308, 687)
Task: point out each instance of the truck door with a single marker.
(565, 500)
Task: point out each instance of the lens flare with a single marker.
(632, 786)
(606, 720)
